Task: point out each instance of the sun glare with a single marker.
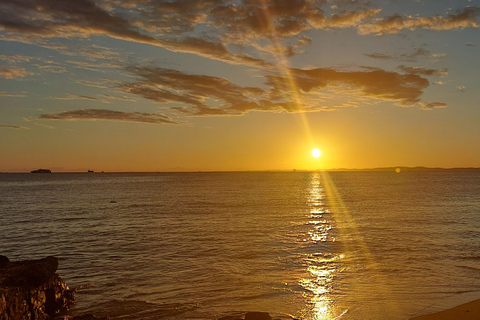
(316, 153)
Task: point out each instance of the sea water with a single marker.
(312, 245)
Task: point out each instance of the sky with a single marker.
(165, 85)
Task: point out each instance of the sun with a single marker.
(316, 153)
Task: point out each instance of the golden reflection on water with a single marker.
(338, 249)
(322, 266)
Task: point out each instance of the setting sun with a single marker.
(316, 153)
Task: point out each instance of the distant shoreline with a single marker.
(380, 169)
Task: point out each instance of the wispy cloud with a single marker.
(80, 97)
(12, 127)
(8, 94)
(98, 67)
(109, 115)
(408, 57)
(122, 98)
(377, 55)
(466, 18)
(424, 71)
(52, 68)
(15, 58)
(433, 105)
(13, 73)
(94, 84)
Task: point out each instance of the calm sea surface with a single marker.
(338, 245)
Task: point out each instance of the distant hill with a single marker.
(403, 169)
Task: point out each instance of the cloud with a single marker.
(437, 56)
(345, 20)
(173, 25)
(377, 55)
(12, 127)
(424, 71)
(63, 19)
(410, 57)
(405, 90)
(109, 115)
(79, 97)
(285, 50)
(52, 69)
(16, 58)
(420, 52)
(98, 67)
(13, 73)
(433, 105)
(208, 28)
(196, 94)
(7, 94)
(123, 98)
(296, 90)
(467, 18)
(94, 84)
(82, 18)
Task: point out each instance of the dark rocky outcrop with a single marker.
(257, 316)
(32, 290)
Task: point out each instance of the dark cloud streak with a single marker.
(109, 115)
(11, 127)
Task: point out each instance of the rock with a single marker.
(3, 262)
(32, 290)
(257, 316)
(30, 273)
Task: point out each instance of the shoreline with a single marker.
(466, 311)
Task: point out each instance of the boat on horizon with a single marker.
(41, 171)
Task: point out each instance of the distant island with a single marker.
(41, 171)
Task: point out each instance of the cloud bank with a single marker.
(292, 91)
(466, 18)
(234, 32)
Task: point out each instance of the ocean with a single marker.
(205, 245)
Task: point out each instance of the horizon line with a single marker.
(390, 168)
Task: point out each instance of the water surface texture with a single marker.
(314, 245)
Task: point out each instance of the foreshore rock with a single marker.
(32, 290)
